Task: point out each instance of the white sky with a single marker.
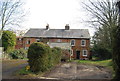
(57, 13)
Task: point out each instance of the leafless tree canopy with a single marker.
(104, 19)
(102, 12)
(11, 13)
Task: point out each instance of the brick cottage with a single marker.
(76, 40)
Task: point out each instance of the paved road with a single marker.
(63, 71)
(78, 71)
(10, 66)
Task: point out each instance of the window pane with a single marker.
(28, 42)
(83, 42)
(38, 40)
(72, 42)
(58, 40)
(84, 52)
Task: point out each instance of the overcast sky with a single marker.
(57, 13)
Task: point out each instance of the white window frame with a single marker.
(20, 39)
(26, 48)
(71, 52)
(59, 40)
(84, 42)
(27, 42)
(71, 43)
(37, 40)
(48, 43)
(83, 53)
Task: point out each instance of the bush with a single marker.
(56, 55)
(18, 54)
(101, 52)
(38, 57)
(65, 55)
(42, 57)
(8, 41)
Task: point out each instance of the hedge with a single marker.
(42, 57)
(18, 54)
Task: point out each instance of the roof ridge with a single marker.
(58, 29)
(56, 33)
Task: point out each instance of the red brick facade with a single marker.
(78, 40)
(78, 49)
(19, 43)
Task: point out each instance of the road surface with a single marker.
(9, 67)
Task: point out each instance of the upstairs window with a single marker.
(38, 40)
(28, 42)
(59, 40)
(84, 52)
(83, 42)
(73, 42)
(26, 48)
(19, 39)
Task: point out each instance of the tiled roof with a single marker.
(58, 33)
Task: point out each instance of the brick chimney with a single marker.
(67, 27)
(47, 27)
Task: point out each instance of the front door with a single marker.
(77, 54)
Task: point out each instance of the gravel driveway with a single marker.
(78, 71)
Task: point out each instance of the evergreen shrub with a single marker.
(42, 57)
(38, 57)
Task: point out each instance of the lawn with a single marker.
(106, 63)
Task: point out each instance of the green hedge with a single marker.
(8, 41)
(42, 57)
(18, 54)
(101, 53)
(56, 55)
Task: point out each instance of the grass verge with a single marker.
(105, 63)
(25, 73)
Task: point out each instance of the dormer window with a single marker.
(72, 42)
(83, 42)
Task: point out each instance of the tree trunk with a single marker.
(116, 48)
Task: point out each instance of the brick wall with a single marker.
(75, 48)
(19, 43)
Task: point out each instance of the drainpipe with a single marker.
(70, 52)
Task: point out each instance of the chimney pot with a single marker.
(67, 27)
(47, 27)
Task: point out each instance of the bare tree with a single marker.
(11, 13)
(104, 18)
(20, 33)
(102, 12)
